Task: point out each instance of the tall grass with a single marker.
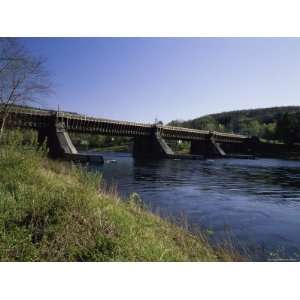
(53, 211)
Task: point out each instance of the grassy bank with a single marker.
(51, 211)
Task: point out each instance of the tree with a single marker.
(205, 123)
(250, 127)
(269, 131)
(288, 128)
(23, 77)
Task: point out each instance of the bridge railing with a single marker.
(75, 121)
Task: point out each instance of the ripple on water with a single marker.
(258, 200)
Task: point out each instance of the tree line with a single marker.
(275, 123)
(88, 141)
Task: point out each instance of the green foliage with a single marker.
(288, 128)
(183, 147)
(275, 123)
(12, 137)
(17, 137)
(53, 211)
(249, 127)
(205, 123)
(91, 141)
(269, 131)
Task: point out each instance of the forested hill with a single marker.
(275, 123)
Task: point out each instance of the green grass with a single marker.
(53, 211)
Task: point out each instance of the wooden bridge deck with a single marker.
(40, 118)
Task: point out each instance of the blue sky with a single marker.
(140, 79)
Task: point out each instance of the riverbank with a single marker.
(53, 211)
(117, 148)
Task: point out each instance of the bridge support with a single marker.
(58, 140)
(151, 147)
(207, 148)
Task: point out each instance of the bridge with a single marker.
(149, 140)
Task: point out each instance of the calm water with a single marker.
(256, 202)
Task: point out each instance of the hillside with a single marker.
(269, 123)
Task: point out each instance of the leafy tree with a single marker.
(269, 131)
(275, 123)
(250, 127)
(288, 128)
(206, 123)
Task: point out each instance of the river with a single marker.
(255, 203)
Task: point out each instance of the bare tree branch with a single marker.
(23, 77)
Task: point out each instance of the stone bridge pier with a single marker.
(153, 146)
(208, 148)
(57, 139)
(149, 140)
